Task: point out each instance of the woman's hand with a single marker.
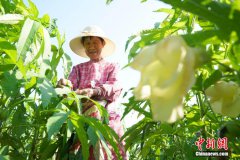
(64, 82)
(87, 92)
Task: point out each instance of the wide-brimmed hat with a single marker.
(77, 46)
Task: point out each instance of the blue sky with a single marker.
(119, 20)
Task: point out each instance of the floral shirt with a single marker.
(101, 75)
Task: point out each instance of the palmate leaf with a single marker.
(137, 136)
(136, 105)
(136, 128)
(107, 132)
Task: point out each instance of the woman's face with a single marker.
(93, 47)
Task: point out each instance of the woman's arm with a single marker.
(74, 78)
(111, 89)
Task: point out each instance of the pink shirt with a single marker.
(101, 75)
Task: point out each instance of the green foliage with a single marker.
(55, 122)
(214, 27)
(37, 120)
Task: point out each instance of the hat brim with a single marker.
(77, 47)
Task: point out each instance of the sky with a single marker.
(119, 20)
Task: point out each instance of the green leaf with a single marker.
(148, 144)
(19, 121)
(27, 35)
(198, 124)
(92, 136)
(107, 132)
(213, 11)
(23, 69)
(47, 91)
(29, 84)
(203, 38)
(82, 136)
(49, 150)
(103, 112)
(9, 49)
(33, 9)
(133, 128)
(6, 67)
(9, 140)
(10, 84)
(4, 150)
(46, 53)
(180, 24)
(106, 148)
(166, 128)
(11, 18)
(108, 1)
(45, 20)
(166, 10)
(55, 122)
(129, 40)
(213, 78)
(67, 64)
(2, 157)
(139, 106)
(62, 91)
(57, 54)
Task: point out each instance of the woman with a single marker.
(96, 78)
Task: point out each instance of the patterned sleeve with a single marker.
(73, 77)
(111, 90)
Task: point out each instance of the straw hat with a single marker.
(77, 46)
